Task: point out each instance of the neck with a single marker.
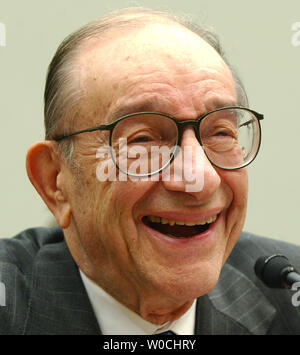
(157, 313)
(151, 305)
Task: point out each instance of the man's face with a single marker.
(166, 69)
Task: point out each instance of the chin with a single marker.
(188, 286)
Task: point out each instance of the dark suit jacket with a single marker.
(44, 293)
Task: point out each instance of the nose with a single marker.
(191, 171)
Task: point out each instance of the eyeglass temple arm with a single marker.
(98, 128)
(109, 126)
(260, 117)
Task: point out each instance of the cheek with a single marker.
(117, 201)
(237, 182)
(126, 194)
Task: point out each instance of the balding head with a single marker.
(63, 92)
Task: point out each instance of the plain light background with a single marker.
(259, 41)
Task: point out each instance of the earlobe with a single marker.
(43, 168)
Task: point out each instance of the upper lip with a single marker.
(186, 216)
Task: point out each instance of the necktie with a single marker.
(168, 332)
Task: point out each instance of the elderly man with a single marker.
(143, 248)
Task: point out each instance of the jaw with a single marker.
(180, 267)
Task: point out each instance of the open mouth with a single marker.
(178, 229)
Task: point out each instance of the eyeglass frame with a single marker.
(180, 124)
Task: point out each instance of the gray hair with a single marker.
(62, 96)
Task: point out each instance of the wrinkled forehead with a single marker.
(156, 54)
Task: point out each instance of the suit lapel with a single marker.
(234, 306)
(58, 303)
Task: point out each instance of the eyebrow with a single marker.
(150, 105)
(218, 102)
(144, 106)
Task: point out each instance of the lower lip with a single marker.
(203, 238)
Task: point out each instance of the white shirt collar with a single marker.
(116, 319)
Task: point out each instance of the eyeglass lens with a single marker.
(144, 144)
(230, 138)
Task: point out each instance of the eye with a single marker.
(140, 139)
(222, 133)
(225, 128)
(145, 136)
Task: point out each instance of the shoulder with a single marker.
(250, 247)
(243, 258)
(17, 258)
(21, 249)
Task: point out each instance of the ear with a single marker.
(44, 168)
